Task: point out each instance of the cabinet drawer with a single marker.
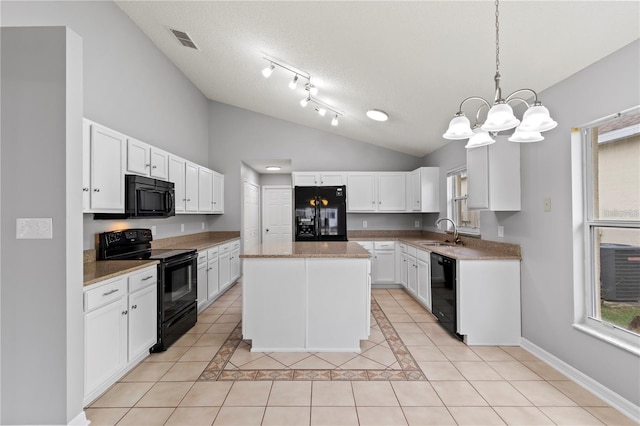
(224, 248)
(235, 245)
(423, 255)
(402, 247)
(212, 253)
(143, 279)
(384, 245)
(106, 293)
(411, 251)
(202, 257)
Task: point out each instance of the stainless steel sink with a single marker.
(435, 243)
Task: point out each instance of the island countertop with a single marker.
(306, 249)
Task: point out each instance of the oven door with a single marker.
(179, 285)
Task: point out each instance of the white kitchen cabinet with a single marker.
(146, 160)
(119, 327)
(423, 190)
(218, 193)
(403, 265)
(412, 271)
(234, 260)
(177, 175)
(205, 190)
(493, 176)
(376, 192)
(224, 271)
(103, 170)
(213, 285)
(383, 265)
(202, 271)
(191, 187)
(319, 178)
(423, 278)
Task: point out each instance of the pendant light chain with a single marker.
(497, 38)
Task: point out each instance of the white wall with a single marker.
(546, 238)
(41, 325)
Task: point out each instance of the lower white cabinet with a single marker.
(412, 272)
(383, 261)
(202, 280)
(119, 327)
(423, 278)
(218, 268)
(213, 270)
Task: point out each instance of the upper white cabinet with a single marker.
(218, 193)
(177, 175)
(103, 169)
(376, 192)
(423, 190)
(205, 190)
(191, 187)
(493, 175)
(146, 160)
(319, 178)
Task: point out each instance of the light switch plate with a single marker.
(501, 231)
(182, 227)
(36, 228)
(417, 224)
(547, 204)
(364, 223)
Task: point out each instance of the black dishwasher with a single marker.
(443, 291)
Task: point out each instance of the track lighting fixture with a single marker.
(311, 90)
(500, 116)
(294, 82)
(268, 71)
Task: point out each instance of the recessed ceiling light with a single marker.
(377, 115)
(273, 168)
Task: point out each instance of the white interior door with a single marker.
(251, 225)
(276, 214)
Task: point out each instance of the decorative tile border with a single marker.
(409, 368)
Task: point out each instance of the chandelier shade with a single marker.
(537, 119)
(459, 128)
(480, 138)
(499, 118)
(523, 136)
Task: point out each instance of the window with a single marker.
(468, 222)
(611, 211)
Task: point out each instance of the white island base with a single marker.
(306, 304)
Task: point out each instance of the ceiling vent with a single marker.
(184, 39)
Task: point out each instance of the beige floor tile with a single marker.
(544, 370)
(523, 416)
(229, 318)
(337, 358)
(174, 353)
(146, 417)
(458, 394)
(396, 309)
(542, 394)
(105, 416)
(199, 353)
(239, 416)
(459, 353)
(123, 395)
(474, 370)
(440, 370)
(312, 363)
(193, 416)
(184, 372)
(221, 327)
(374, 394)
(396, 318)
(214, 310)
(416, 394)
(492, 353)
(199, 328)
(211, 339)
(187, 340)
(384, 356)
(428, 416)
(513, 370)
(329, 394)
(570, 416)
(520, 353)
(248, 394)
(287, 416)
(578, 394)
(610, 416)
(165, 394)
(415, 339)
(376, 336)
(287, 394)
(426, 353)
(500, 393)
(381, 416)
(423, 317)
(406, 327)
(207, 319)
(148, 372)
(414, 309)
(206, 394)
(334, 416)
(289, 358)
(264, 363)
(480, 416)
(362, 363)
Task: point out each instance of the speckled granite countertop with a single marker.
(103, 270)
(317, 249)
(96, 271)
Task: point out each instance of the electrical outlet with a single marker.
(202, 225)
(182, 227)
(153, 230)
(34, 228)
(547, 204)
(364, 223)
(417, 224)
(501, 231)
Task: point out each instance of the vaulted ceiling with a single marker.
(416, 60)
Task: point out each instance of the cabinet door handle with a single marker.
(147, 278)
(110, 292)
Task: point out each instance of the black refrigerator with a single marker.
(321, 213)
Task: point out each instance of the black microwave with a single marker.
(145, 198)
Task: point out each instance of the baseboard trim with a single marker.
(80, 420)
(610, 397)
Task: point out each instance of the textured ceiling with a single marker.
(415, 60)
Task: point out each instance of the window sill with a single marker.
(612, 340)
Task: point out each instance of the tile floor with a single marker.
(411, 373)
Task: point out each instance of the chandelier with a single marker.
(500, 115)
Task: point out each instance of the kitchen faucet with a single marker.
(456, 239)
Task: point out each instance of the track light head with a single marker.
(268, 71)
(321, 111)
(334, 122)
(294, 82)
(305, 101)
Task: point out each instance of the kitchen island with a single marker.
(306, 297)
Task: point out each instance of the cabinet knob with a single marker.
(154, 167)
(125, 312)
(134, 307)
(188, 199)
(96, 189)
(147, 165)
(85, 189)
